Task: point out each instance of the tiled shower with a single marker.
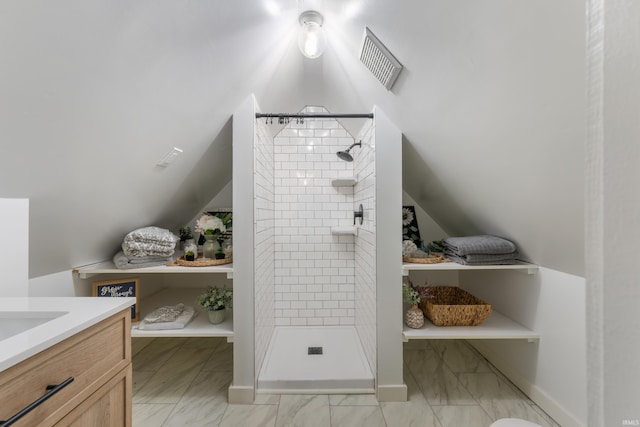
(305, 276)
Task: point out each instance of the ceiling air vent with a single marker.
(377, 58)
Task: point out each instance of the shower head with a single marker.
(344, 155)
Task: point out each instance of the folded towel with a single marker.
(148, 241)
(124, 262)
(463, 260)
(483, 244)
(164, 314)
(179, 323)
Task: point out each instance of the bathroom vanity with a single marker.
(67, 358)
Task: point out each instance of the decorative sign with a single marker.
(119, 288)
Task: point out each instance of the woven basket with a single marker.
(202, 262)
(432, 259)
(452, 306)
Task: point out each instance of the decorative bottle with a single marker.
(190, 250)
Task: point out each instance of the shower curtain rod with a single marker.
(314, 115)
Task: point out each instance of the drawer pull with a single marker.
(51, 390)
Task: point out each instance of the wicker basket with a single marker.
(452, 306)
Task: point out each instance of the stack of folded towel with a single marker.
(478, 250)
(146, 247)
(168, 317)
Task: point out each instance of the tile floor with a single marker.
(184, 381)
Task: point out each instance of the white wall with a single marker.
(388, 157)
(613, 202)
(264, 229)
(314, 271)
(364, 193)
(553, 371)
(14, 251)
(242, 389)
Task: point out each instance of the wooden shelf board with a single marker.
(496, 326)
(107, 267)
(198, 327)
(453, 266)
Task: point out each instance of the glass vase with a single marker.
(209, 247)
(190, 250)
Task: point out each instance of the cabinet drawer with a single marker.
(91, 357)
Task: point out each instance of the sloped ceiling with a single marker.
(95, 92)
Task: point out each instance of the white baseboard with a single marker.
(392, 393)
(535, 393)
(241, 395)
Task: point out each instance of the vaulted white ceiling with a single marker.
(95, 92)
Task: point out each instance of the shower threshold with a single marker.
(316, 360)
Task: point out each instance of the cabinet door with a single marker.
(110, 406)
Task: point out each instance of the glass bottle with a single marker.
(190, 250)
(209, 247)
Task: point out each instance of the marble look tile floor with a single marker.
(184, 381)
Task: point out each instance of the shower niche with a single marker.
(317, 226)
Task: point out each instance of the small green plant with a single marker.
(216, 298)
(414, 294)
(189, 256)
(410, 295)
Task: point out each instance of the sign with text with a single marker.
(119, 288)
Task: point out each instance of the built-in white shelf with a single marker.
(344, 182)
(453, 266)
(198, 327)
(496, 326)
(108, 267)
(351, 230)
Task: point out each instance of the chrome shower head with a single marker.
(344, 155)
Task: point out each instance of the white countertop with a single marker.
(80, 313)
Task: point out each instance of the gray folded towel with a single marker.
(124, 262)
(483, 244)
(147, 241)
(464, 261)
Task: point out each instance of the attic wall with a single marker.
(491, 106)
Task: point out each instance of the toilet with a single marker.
(514, 422)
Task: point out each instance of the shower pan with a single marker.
(327, 359)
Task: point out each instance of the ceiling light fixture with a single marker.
(311, 40)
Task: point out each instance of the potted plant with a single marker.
(211, 227)
(414, 318)
(215, 301)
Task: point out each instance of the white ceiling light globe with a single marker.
(311, 40)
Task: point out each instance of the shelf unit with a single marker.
(522, 267)
(107, 267)
(344, 182)
(199, 325)
(345, 230)
(496, 326)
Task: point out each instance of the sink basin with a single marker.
(15, 322)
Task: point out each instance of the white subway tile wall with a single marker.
(365, 250)
(264, 239)
(314, 270)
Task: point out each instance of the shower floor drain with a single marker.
(314, 350)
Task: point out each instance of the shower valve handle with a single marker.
(358, 214)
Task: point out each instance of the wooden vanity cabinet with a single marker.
(99, 361)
